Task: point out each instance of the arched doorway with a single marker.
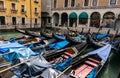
(73, 19)
(64, 19)
(83, 18)
(109, 19)
(95, 19)
(117, 23)
(45, 19)
(56, 19)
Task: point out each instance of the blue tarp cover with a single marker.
(33, 67)
(102, 52)
(93, 73)
(60, 37)
(5, 47)
(59, 45)
(19, 52)
(11, 45)
(64, 65)
(80, 37)
(12, 40)
(100, 36)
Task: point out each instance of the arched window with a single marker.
(55, 3)
(86, 2)
(94, 2)
(66, 3)
(72, 3)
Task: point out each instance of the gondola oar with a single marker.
(4, 70)
(64, 71)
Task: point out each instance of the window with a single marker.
(55, 3)
(112, 2)
(1, 5)
(23, 21)
(94, 2)
(22, 8)
(86, 3)
(35, 21)
(66, 3)
(14, 20)
(2, 20)
(36, 1)
(72, 3)
(13, 6)
(36, 10)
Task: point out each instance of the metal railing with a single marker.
(18, 26)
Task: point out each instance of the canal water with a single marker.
(110, 70)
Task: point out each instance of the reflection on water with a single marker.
(13, 34)
(112, 68)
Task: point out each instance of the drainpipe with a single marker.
(30, 14)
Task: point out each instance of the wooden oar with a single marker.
(16, 65)
(63, 71)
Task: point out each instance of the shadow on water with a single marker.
(112, 67)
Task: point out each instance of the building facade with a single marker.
(86, 13)
(46, 13)
(22, 13)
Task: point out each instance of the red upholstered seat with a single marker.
(81, 68)
(83, 71)
(67, 53)
(94, 60)
(65, 56)
(91, 63)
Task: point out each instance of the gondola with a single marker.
(100, 43)
(33, 34)
(47, 59)
(75, 40)
(20, 31)
(47, 35)
(97, 43)
(77, 37)
(88, 65)
(59, 37)
(99, 36)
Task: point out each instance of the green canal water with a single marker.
(110, 70)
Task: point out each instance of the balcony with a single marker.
(2, 9)
(36, 13)
(35, 1)
(23, 11)
(14, 10)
